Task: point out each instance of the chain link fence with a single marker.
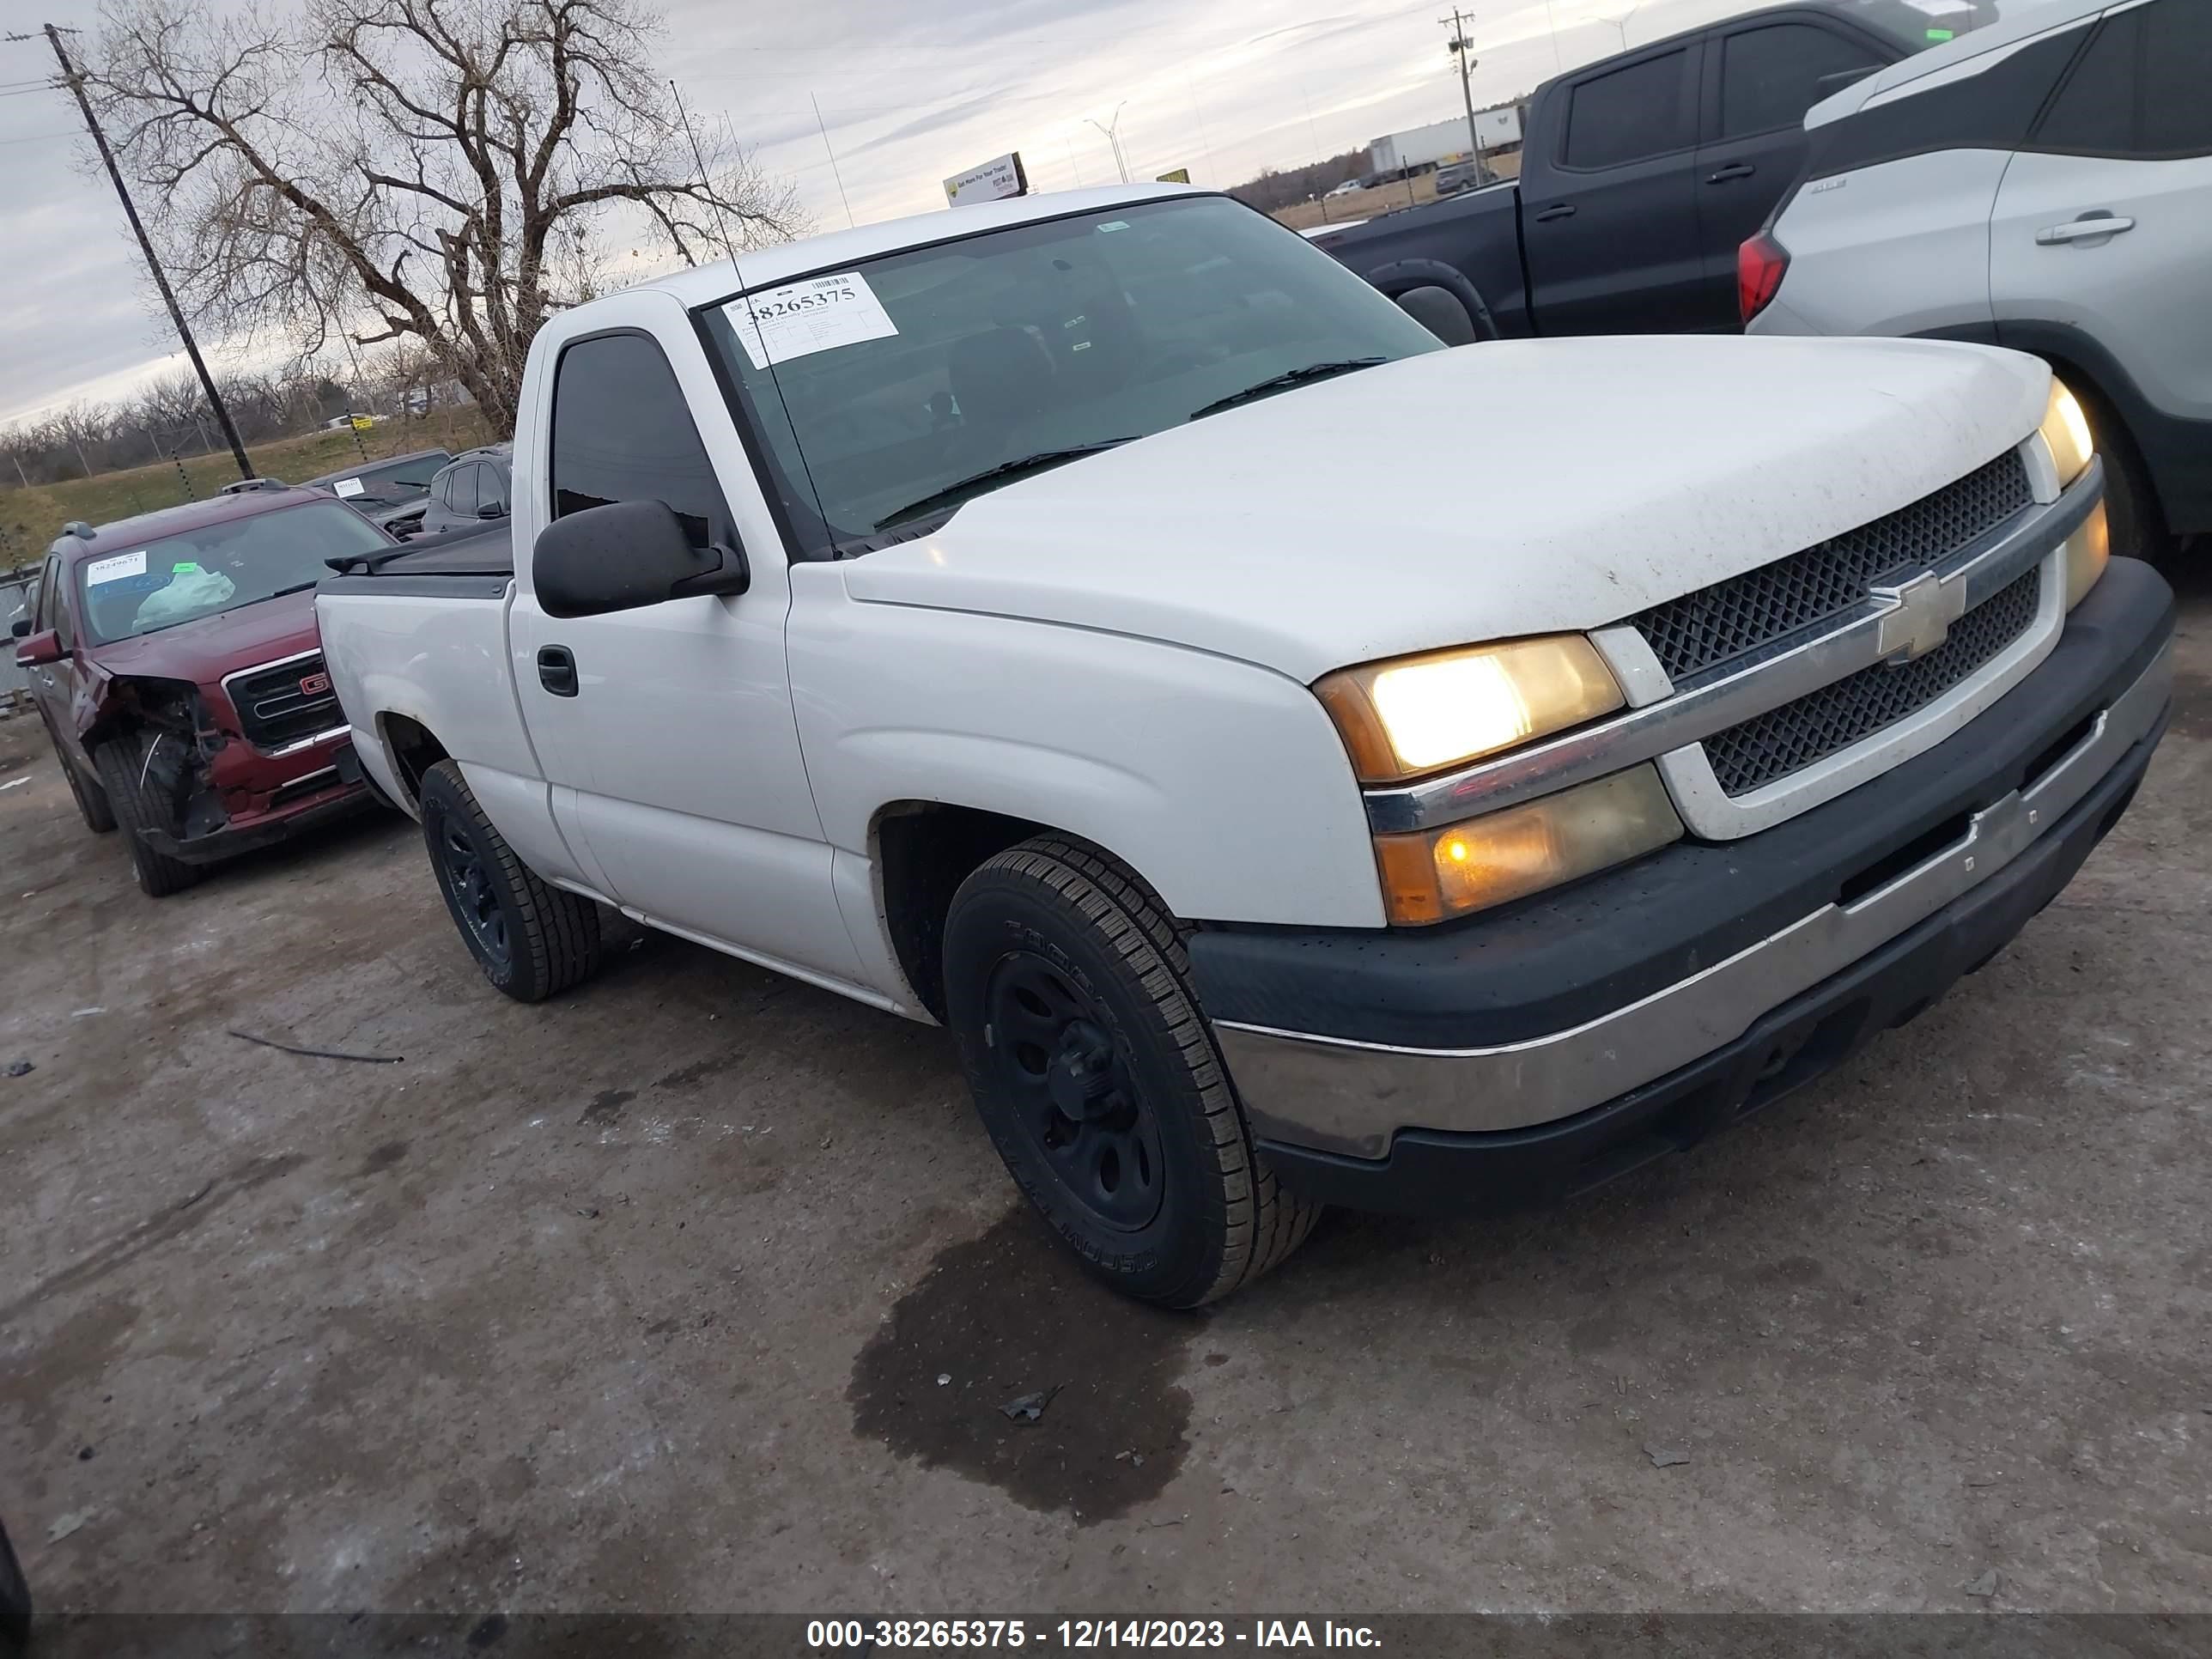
(15, 596)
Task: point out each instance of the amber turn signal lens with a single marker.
(1524, 849)
(2088, 550)
(1415, 714)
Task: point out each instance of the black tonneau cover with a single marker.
(466, 563)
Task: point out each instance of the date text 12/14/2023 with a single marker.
(1085, 1633)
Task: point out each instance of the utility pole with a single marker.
(1459, 51)
(75, 85)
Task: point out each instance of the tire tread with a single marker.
(560, 931)
(1265, 1222)
(159, 875)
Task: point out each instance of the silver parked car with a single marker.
(2043, 183)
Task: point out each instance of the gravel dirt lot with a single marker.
(701, 1289)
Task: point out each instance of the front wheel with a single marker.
(125, 764)
(529, 938)
(91, 800)
(15, 1599)
(1068, 991)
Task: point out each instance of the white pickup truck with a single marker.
(980, 616)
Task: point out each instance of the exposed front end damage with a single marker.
(206, 790)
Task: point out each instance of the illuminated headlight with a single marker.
(2087, 549)
(2066, 429)
(1448, 872)
(1417, 715)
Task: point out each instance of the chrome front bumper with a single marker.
(1352, 1098)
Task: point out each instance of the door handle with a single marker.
(2101, 222)
(1557, 210)
(556, 670)
(1733, 170)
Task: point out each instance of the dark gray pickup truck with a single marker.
(1641, 176)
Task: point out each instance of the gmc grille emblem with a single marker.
(314, 685)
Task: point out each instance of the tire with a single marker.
(122, 763)
(530, 940)
(91, 800)
(14, 1601)
(1068, 991)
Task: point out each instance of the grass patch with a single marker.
(31, 518)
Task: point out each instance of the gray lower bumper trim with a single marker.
(1354, 1098)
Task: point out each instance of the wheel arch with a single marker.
(2175, 455)
(1401, 276)
(410, 749)
(921, 851)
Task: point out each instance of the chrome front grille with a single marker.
(285, 702)
(1707, 631)
(1798, 734)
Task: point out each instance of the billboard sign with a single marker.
(1180, 176)
(997, 179)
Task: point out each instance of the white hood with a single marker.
(1512, 487)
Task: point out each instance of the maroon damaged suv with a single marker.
(175, 659)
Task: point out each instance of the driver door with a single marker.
(667, 731)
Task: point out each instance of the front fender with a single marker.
(1223, 784)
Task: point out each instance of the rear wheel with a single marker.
(529, 938)
(1094, 1072)
(123, 764)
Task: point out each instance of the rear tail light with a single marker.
(1760, 264)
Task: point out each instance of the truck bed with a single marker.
(1476, 233)
(470, 563)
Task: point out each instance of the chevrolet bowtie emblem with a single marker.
(1923, 610)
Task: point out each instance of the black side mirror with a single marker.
(20, 627)
(624, 555)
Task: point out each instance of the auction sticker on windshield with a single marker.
(346, 486)
(801, 319)
(122, 565)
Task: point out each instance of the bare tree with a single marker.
(433, 171)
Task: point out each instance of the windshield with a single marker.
(1924, 23)
(223, 567)
(902, 381)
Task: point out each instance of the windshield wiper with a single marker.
(296, 587)
(958, 491)
(1283, 381)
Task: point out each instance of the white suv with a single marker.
(2044, 183)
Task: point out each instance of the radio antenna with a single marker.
(706, 184)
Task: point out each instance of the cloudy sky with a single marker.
(908, 94)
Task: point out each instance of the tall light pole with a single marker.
(1467, 62)
(1112, 137)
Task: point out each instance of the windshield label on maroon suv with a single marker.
(116, 569)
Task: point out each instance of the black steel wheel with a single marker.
(1054, 1048)
(531, 940)
(466, 884)
(1095, 1072)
